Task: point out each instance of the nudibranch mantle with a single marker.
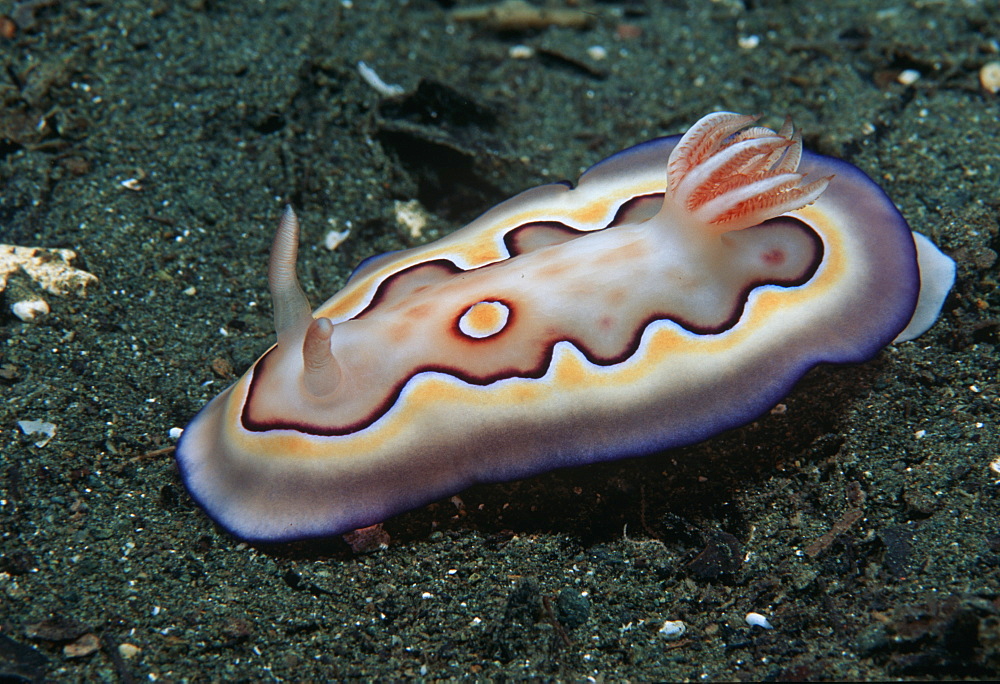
(679, 290)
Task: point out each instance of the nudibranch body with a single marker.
(679, 290)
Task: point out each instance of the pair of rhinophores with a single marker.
(679, 290)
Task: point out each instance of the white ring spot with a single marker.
(484, 319)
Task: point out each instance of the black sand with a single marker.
(874, 553)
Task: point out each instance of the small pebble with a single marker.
(989, 77)
(128, 651)
(30, 309)
(43, 431)
(672, 629)
(597, 52)
(521, 52)
(758, 620)
(572, 608)
(82, 647)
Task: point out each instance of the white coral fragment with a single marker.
(50, 269)
(411, 217)
(372, 78)
(334, 238)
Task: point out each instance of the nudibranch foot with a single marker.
(681, 289)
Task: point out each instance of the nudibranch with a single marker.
(679, 290)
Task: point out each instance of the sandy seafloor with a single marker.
(862, 521)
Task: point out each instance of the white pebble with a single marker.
(673, 629)
(175, 433)
(30, 309)
(758, 620)
(521, 52)
(989, 77)
(597, 52)
(908, 76)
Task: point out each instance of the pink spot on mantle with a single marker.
(773, 257)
